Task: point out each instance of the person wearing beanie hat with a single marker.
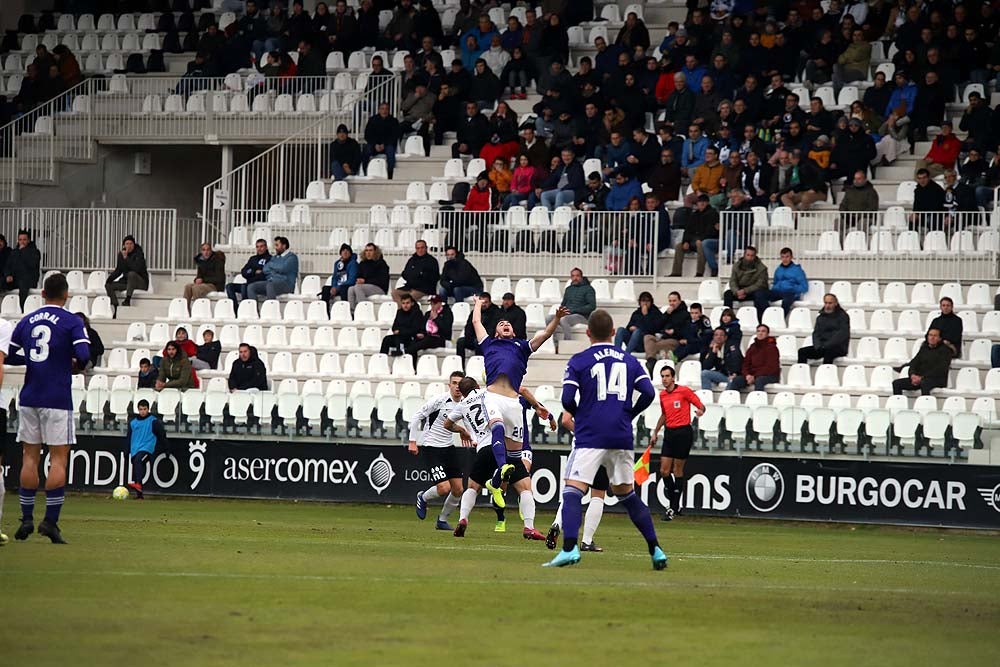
(130, 273)
(345, 155)
(345, 274)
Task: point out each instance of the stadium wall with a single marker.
(925, 494)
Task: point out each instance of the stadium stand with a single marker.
(889, 243)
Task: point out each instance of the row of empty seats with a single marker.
(906, 243)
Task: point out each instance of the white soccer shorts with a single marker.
(583, 463)
(45, 426)
(508, 410)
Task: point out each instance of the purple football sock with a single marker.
(639, 513)
(572, 516)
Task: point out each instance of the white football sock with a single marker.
(526, 502)
(468, 502)
(431, 493)
(595, 510)
(450, 503)
(558, 520)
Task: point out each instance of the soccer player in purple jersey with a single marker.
(605, 379)
(6, 329)
(53, 344)
(506, 361)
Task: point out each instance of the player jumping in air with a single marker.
(605, 379)
(443, 459)
(506, 361)
(54, 345)
(675, 402)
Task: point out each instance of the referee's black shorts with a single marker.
(677, 442)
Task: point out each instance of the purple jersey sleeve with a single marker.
(50, 339)
(605, 378)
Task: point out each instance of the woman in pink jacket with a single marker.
(522, 186)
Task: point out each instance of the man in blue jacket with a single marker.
(560, 188)
(622, 190)
(345, 274)
(145, 433)
(252, 272)
(904, 92)
(789, 282)
(280, 273)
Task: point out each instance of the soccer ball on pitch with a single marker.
(120, 493)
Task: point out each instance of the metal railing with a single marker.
(90, 238)
(284, 171)
(883, 245)
(31, 143)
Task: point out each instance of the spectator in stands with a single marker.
(928, 202)
(560, 188)
(175, 370)
(252, 271)
(500, 177)
(459, 278)
(696, 335)
(789, 282)
(979, 122)
(877, 96)
(518, 73)
(372, 278)
(29, 95)
(247, 372)
(985, 193)
(665, 177)
(436, 329)
(418, 114)
(929, 107)
(535, 148)
(756, 179)
(806, 183)
(679, 108)
(721, 361)
(643, 153)
(207, 357)
(928, 370)
(96, 344)
(592, 198)
(420, 275)
(502, 142)
(580, 299)
(147, 374)
(297, 27)
(693, 153)
(343, 33)
(253, 28)
(522, 185)
(748, 282)
(382, 133)
(345, 274)
(671, 327)
(615, 153)
(69, 66)
(496, 57)
(486, 86)
(400, 34)
(855, 150)
(514, 314)
(447, 106)
(459, 80)
(944, 151)
(702, 225)
(491, 315)
(707, 180)
(280, 273)
(345, 155)
(5, 253)
(853, 63)
(408, 323)
(624, 189)
(130, 273)
(644, 320)
(860, 196)
(761, 364)
(949, 326)
(21, 272)
(831, 333)
(959, 202)
(473, 132)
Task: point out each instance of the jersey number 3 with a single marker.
(613, 381)
(40, 350)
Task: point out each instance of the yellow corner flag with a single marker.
(641, 469)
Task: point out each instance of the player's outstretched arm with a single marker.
(646, 395)
(539, 408)
(449, 425)
(550, 328)
(477, 320)
(569, 398)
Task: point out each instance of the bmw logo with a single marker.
(765, 487)
(379, 474)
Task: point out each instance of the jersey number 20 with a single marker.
(612, 381)
(40, 351)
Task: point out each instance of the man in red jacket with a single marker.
(943, 153)
(761, 364)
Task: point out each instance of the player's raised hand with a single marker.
(412, 447)
(561, 312)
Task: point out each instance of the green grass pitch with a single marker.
(219, 582)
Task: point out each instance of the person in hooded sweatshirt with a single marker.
(247, 372)
(761, 363)
(175, 369)
(345, 274)
(145, 434)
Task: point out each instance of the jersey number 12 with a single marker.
(611, 381)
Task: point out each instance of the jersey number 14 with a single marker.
(611, 379)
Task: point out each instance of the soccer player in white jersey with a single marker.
(506, 360)
(475, 412)
(598, 392)
(443, 459)
(6, 329)
(53, 345)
